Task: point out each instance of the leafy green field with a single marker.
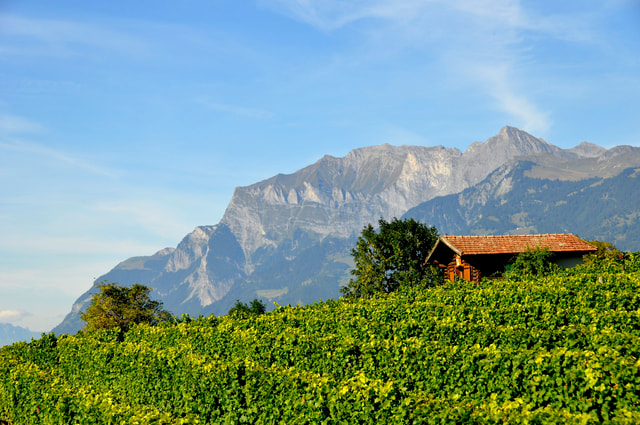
(559, 349)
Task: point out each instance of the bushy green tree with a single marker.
(121, 306)
(606, 258)
(532, 262)
(255, 308)
(391, 257)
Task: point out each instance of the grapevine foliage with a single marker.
(559, 348)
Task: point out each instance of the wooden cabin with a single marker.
(472, 257)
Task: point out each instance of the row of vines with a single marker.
(558, 349)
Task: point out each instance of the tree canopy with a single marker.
(607, 257)
(121, 306)
(391, 257)
(255, 308)
(537, 261)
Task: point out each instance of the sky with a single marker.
(126, 124)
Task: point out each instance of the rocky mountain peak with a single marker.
(588, 150)
(507, 144)
(164, 252)
(520, 142)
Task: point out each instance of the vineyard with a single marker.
(563, 348)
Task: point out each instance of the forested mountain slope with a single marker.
(511, 202)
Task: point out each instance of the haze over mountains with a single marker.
(287, 239)
(10, 333)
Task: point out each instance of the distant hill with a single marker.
(287, 239)
(10, 334)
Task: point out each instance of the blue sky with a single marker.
(124, 125)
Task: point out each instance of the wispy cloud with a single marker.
(329, 15)
(398, 136)
(480, 43)
(528, 116)
(40, 298)
(10, 316)
(499, 82)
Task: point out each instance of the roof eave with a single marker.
(437, 246)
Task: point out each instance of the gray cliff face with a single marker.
(289, 236)
(190, 250)
(339, 196)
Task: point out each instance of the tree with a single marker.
(391, 257)
(120, 306)
(607, 257)
(532, 262)
(243, 310)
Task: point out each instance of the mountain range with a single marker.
(288, 239)
(10, 333)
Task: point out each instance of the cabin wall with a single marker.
(461, 269)
(569, 262)
(472, 268)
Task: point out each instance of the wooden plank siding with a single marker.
(461, 269)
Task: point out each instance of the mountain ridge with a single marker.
(11, 333)
(536, 205)
(291, 234)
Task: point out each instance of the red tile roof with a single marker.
(511, 244)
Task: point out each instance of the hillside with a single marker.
(287, 239)
(558, 349)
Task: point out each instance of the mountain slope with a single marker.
(10, 334)
(288, 238)
(509, 201)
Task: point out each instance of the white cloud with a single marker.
(11, 316)
(533, 120)
(486, 46)
(329, 15)
(498, 81)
